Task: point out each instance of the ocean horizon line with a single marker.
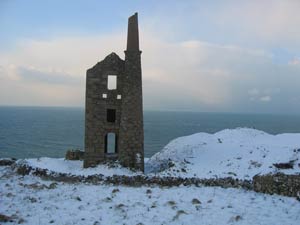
(158, 110)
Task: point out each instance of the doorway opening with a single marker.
(111, 143)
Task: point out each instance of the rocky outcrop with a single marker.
(74, 155)
(11, 219)
(7, 162)
(287, 165)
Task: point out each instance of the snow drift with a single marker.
(240, 153)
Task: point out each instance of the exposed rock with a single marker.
(282, 184)
(5, 218)
(36, 186)
(255, 164)
(288, 165)
(179, 212)
(7, 162)
(171, 203)
(115, 190)
(232, 173)
(235, 218)
(23, 170)
(21, 221)
(52, 185)
(74, 155)
(195, 201)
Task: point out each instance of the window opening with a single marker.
(112, 82)
(111, 115)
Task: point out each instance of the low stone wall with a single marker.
(281, 184)
(134, 181)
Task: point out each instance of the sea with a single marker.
(30, 132)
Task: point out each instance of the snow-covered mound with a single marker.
(240, 153)
(75, 167)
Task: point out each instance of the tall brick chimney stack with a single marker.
(133, 33)
(131, 127)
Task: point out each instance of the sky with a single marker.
(209, 56)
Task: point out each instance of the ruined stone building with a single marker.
(114, 107)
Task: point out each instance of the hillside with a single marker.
(239, 153)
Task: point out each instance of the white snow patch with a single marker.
(101, 204)
(75, 167)
(240, 153)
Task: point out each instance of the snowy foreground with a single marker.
(34, 201)
(239, 153)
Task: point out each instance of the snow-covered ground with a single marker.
(240, 153)
(75, 167)
(30, 200)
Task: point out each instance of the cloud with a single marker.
(295, 61)
(51, 72)
(268, 22)
(49, 77)
(59, 62)
(265, 98)
(259, 24)
(183, 75)
(15, 92)
(253, 92)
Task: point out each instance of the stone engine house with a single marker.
(114, 107)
